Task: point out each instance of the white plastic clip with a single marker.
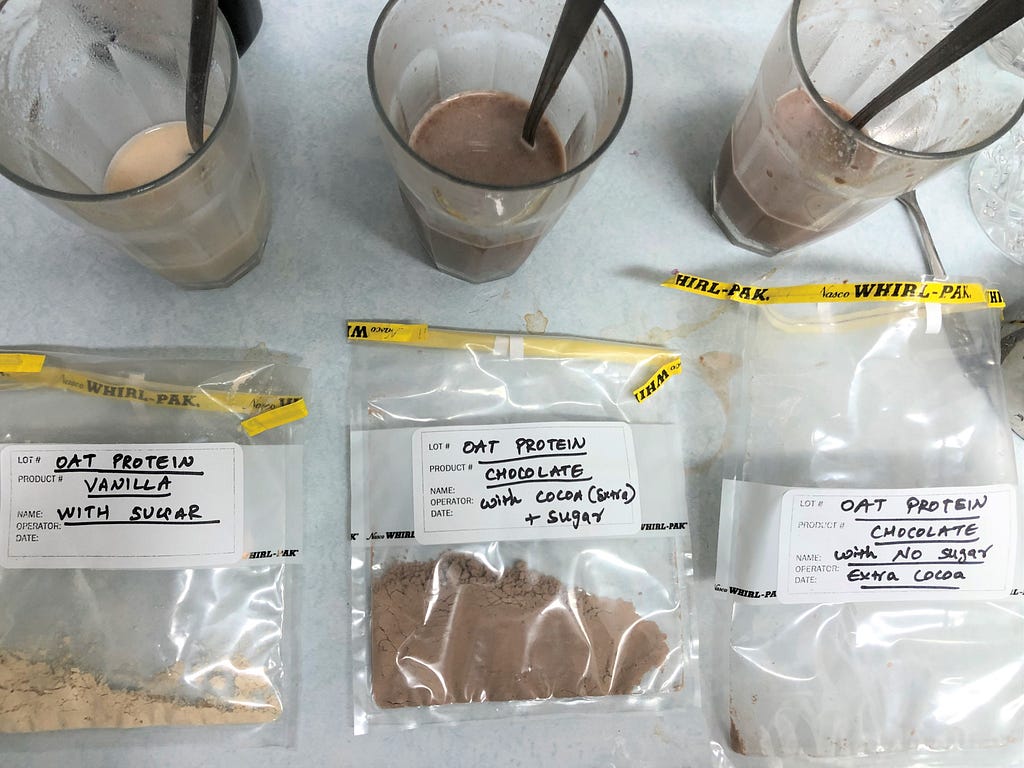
(932, 318)
(516, 348)
(825, 314)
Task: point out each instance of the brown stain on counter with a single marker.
(658, 335)
(717, 369)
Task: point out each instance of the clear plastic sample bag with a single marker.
(870, 540)
(147, 508)
(518, 522)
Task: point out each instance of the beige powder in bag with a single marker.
(452, 630)
(40, 696)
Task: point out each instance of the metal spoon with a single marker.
(931, 253)
(991, 18)
(576, 18)
(200, 56)
(955, 328)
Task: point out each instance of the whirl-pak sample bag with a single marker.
(147, 510)
(519, 536)
(869, 562)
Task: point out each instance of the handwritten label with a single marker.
(907, 544)
(525, 481)
(131, 506)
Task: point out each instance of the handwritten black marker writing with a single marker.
(574, 517)
(865, 551)
(919, 576)
(506, 499)
(190, 513)
(127, 487)
(862, 505)
(94, 514)
(500, 477)
(479, 446)
(912, 556)
(123, 461)
(906, 586)
(959, 504)
(86, 512)
(546, 496)
(942, 539)
(626, 494)
(526, 445)
(129, 495)
(926, 541)
(145, 522)
(907, 533)
(131, 472)
(526, 478)
(916, 519)
(538, 456)
(539, 480)
(915, 562)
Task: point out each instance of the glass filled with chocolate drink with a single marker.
(452, 84)
(792, 170)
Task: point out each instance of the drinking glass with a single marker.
(423, 52)
(79, 80)
(792, 170)
(996, 184)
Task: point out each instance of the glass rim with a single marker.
(861, 137)
(100, 197)
(569, 173)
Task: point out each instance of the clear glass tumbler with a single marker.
(425, 51)
(79, 80)
(1007, 48)
(792, 170)
(996, 189)
(996, 185)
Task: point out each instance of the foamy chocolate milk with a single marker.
(477, 136)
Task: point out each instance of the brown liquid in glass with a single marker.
(477, 136)
(819, 143)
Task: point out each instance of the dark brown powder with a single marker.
(452, 630)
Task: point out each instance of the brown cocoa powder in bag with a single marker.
(452, 630)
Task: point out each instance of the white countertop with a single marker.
(341, 247)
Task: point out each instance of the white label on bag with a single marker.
(124, 506)
(908, 544)
(524, 481)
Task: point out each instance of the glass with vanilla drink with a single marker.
(92, 124)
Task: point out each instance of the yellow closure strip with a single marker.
(15, 362)
(532, 345)
(150, 393)
(654, 383)
(275, 418)
(930, 292)
(399, 333)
